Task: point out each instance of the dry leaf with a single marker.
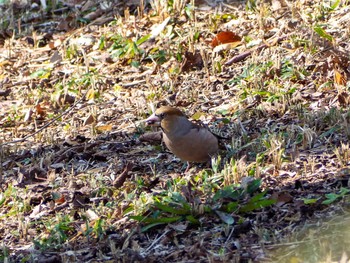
(56, 57)
(225, 37)
(104, 128)
(89, 119)
(28, 115)
(90, 95)
(339, 78)
(91, 215)
(226, 46)
(40, 111)
(343, 98)
(281, 198)
(192, 61)
(60, 199)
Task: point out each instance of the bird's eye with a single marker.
(161, 115)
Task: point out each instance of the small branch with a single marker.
(243, 55)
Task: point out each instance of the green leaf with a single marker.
(192, 219)
(135, 64)
(196, 36)
(102, 43)
(128, 210)
(225, 120)
(2, 201)
(197, 115)
(258, 196)
(330, 198)
(344, 191)
(177, 197)
(322, 33)
(257, 202)
(251, 206)
(309, 201)
(335, 5)
(232, 207)
(330, 131)
(149, 220)
(143, 39)
(253, 186)
(41, 73)
(173, 210)
(228, 192)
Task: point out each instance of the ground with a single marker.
(83, 178)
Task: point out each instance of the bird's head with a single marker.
(166, 117)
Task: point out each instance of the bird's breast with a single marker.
(197, 145)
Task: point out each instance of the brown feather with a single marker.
(188, 141)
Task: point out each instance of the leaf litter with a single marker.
(77, 162)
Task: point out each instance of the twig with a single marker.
(156, 240)
(243, 55)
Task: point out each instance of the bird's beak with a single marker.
(153, 120)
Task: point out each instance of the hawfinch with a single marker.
(187, 140)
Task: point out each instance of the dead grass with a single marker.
(74, 171)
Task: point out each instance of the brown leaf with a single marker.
(34, 174)
(225, 37)
(192, 61)
(79, 199)
(58, 198)
(281, 198)
(40, 111)
(5, 93)
(343, 98)
(89, 119)
(119, 181)
(64, 24)
(93, 15)
(63, 99)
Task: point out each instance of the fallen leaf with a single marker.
(56, 57)
(91, 215)
(339, 78)
(281, 198)
(225, 37)
(28, 115)
(40, 111)
(88, 120)
(104, 128)
(192, 61)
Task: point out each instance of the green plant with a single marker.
(124, 48)
(158, 56)
(174, 206)
(4, 254)
(332, 197)
(56, 233)
(275, 149)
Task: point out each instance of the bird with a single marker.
(187, 140)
